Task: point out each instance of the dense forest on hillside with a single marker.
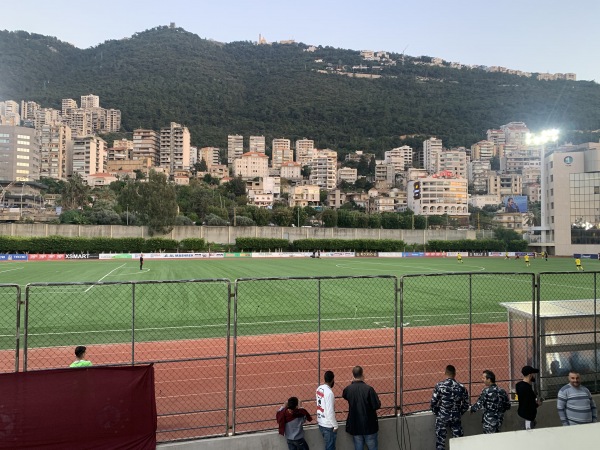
(168, 74)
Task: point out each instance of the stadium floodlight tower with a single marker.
(541, 139)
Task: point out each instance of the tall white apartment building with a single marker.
(68, 104)
(19, 153)
(175, 147)
(210, 155)
(55, 142)
(385, 173)
(432, 147)
(45, 116)
(28, 110)
(437, 196)
(479, 173)
(347, 174)
(251, 165)
(87, 156)
(113, 120)
(496, 136)
(257, 144)
(515, 133)
(324, 169)
(146, 144)
(9, 113)
(483, 150)
(505, 184)
(454, 161)
(395, 158)
(80, 121)
(281, 151)
(90, 101)
(531, 173)
(235, 148)
(305, 151)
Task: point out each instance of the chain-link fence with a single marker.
(459, 319)
(10, 326)
(180, 326)
(567, 317)
(288, 331)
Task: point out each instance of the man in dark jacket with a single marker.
(528, 403)
(363, 404)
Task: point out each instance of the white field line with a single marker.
(397, 266)
(380, 320)
(10, 270)
(117, 268)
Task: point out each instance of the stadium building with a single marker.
(572, 196)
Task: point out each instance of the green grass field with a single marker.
(71, 314)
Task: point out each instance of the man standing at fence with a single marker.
(291, 420)
(450, 400)
(575, 403)
(326, 420)
(494, 401)
(363, 404)
(528, 403)
(80, 360)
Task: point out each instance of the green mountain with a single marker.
(168, 74)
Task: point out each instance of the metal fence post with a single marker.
(319, 332)
(132, 324)
(470, 333)
(18, 329)
(396, 330)
(234, 386)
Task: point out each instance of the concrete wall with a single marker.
(228, 235)
(420, 430)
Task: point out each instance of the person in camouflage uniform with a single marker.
(494, 401)
(450, 400)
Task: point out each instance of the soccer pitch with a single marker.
(71, 314)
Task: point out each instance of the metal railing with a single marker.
(180, 326)
(225, 366)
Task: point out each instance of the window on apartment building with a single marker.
(551, 205)
(551, 164)
(552, 191)
(596, 189)
(551, 177)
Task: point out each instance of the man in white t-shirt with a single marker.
(328, 425)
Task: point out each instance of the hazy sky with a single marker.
(530, 35)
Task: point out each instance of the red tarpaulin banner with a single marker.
(83, 408)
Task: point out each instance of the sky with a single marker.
(530, 35)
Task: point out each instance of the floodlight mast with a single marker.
(541, 139)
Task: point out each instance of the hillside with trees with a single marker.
(168, 74)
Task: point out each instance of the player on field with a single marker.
(527, 263)
(459, 257)
(578, 265)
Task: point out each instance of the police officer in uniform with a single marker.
(450, 400)
(494, 401)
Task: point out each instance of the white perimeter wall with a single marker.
(419, 429)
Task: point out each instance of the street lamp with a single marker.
(541, 139)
